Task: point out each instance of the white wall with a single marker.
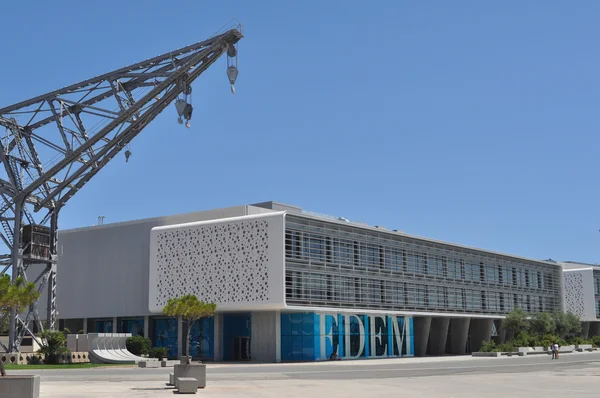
(578, 293)
(103, 270)
(238, 262)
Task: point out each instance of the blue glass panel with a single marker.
(104, 327)
(366, 350)
(341, 331)
(296, 323)
(297, 348)
(412, 338)
(286, 325)
(234, 325)
(308, 321)
(133, 326)
(165, 335)
(202, 338)
(317, 324)
(286, 348)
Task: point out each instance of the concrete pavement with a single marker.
(574, 375)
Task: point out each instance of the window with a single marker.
(348, 291)
(492, 274)
(343, 252)
(393, 260)
(437, 266)
(373, 289)
(294, 285)
(420, 296)
(293, 244)
(394, 292)
(472, 272)
(369, 255)
(416, 262)
(315, 248)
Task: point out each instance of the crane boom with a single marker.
(57, 142)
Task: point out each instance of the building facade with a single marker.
(581, 294)
(294, 286)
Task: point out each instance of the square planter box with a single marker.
(195, 370)
(20, 386)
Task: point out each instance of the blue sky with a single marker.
(467, 121)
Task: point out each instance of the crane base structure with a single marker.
(56, 143)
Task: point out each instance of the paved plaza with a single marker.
(573, 375)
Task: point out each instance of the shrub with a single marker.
(55, 346)
(548, 340)
(506, 347)
(159, 352)
(579, 340)
(139, 345)
(525, 339)
(596, 341)
(488, 346)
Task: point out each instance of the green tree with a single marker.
(567, 324)
(560, 320)
(515, 321)
(14, 295)
(55, 345)
(189, 309)
(139, 345)
(572, 325)
(542, 324)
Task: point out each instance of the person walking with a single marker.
(555, 351)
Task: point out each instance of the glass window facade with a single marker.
(332, 265)
(165, 335)
(133, 326)
(311, 336)
(104, 326)
(202, 339)
(597, 292)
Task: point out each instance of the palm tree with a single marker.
(15, 296)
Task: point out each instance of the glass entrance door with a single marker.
(241, 348)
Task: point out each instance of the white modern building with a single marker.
(581, 294)
(292, 285)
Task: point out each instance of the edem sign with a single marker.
(375, 336)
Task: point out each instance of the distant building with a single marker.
(292, 285)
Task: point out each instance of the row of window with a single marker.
(338, 290)
(597, 286)
(344, 253)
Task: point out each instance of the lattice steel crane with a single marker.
(55, 143)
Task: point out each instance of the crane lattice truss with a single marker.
(55, 143)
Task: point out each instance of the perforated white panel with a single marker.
(574, 300)
(579, 293)
(236, 263)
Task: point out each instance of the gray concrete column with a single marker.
(147, 327)
(265, 344)
(180, 342)
(218, 337)
(421, 325)
(438, 335)
(115, 325)
(481, 330)
(459, 332)
(585, 329)
(85, 326)
(594, 329)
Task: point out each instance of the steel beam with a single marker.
(57, 142)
